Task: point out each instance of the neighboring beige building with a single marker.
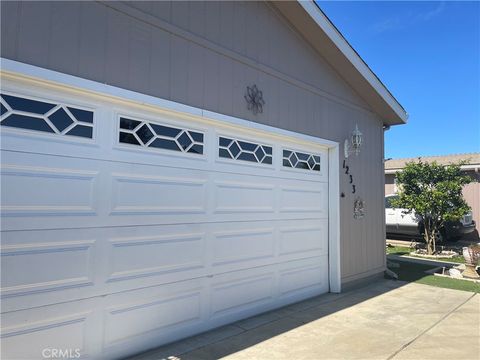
(471, 192)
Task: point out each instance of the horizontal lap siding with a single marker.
(471, 193)
(204, 55)
(389, 184)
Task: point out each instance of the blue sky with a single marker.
(428, 55)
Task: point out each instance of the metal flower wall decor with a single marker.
(254, 98)
(358, 208)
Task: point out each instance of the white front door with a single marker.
(125, 227)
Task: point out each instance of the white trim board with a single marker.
(28, 73)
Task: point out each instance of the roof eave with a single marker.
(469, 167)
(341, 56)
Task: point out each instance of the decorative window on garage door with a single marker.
(243, 150)
(152, 135)
(45, 116)
(301, 160)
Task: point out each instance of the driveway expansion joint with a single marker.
(431, 327)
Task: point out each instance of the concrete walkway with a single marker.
(385, 320)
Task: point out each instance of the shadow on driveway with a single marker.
(377, 321)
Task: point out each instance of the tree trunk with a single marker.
(429, 238)
(429, 246)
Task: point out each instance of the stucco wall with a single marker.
(204, 54)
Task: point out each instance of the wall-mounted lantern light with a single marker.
(352, 145)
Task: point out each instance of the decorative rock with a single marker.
(443, 254)
(455, 273)
(390, 274)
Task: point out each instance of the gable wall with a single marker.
(204, 54)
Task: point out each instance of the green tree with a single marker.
(433, 192)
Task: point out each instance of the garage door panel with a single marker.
(237, 292)
(50, 266)
(44, 261)
(127, 258)
(47, 191)
(244, 197)
(247, 292)
(307, 276)
(240, 246)
(304, 197)
(149, 311)
(303, 238)
(77, 193)
(144, 256)
(112, 244)
(64, 333)
(41, 191)
(63, 326)
(153, 314)
(43, 267)
(150, 194)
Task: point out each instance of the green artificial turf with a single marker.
(398, 250)
(413, 272)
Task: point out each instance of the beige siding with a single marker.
(205, 54)
(389, 184)
(471, 193)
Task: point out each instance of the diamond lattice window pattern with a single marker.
(49, 117)
(300, 160)
(151, 135)
(243, 150)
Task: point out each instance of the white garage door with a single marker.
(125, 227)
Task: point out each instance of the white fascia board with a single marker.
(322, 21)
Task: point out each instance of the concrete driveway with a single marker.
(385, 320)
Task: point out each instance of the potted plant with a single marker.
(471, 255)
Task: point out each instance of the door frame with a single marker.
(26, 73)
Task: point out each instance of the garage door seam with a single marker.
(131, 162)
